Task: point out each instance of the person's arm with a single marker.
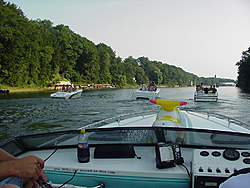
(27, 167)
(4, 156)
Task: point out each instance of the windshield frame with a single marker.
(68, 139)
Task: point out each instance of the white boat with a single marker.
(172, 148)
(145, 92)
(206, 95)
(67, 94)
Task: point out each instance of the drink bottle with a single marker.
(83, 147)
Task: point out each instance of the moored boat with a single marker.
(69, 94)
(171, 148)
(4, 91)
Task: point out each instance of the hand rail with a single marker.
(219, 116)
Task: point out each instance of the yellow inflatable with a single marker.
(168, 115)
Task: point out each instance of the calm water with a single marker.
(28, 113)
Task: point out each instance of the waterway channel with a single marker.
(35, 112)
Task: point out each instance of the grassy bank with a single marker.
(24, 88)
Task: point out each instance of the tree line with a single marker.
(244, 71)
(34, 52)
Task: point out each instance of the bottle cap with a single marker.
(82, 131)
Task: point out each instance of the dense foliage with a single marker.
(244, 71)
(34, 52)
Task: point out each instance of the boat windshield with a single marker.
(186, 137)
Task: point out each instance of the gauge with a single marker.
(204, 153)
(216, 153)
(246, 160)
(245, 154)
(231, 154)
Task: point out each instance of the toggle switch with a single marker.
(218, 170)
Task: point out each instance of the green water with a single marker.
(36, 112)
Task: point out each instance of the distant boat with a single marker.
(145, 92)
(67, 94)
(205, 95)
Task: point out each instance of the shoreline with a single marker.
(27, 90)
(16, 90)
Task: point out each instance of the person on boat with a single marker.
(214, 89)
(20, 172)
(205, 90)
(202, 85)
(151, 86)
(70, 89)
(211, 88)
(154, 87)
(198, 89)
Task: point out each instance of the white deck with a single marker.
(144, 167)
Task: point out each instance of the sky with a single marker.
(203, 37)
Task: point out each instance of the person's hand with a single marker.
(28, 167)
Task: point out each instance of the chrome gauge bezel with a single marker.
(231, 154)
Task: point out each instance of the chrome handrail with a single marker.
(220, 116)
(149, 112)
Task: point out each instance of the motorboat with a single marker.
(146, 92)
(205, 94)
(69, 94)
(4, 91)
(206, 97)
(176, 147)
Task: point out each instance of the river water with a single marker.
(36, 112)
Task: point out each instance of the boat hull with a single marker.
(91, 180)
(209, 97)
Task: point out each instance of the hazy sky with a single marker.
(203, 37)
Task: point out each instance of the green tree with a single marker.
(140, 76)
(244, 71)
(16, 45)
(87, 64)
(70, 49)
(129, 68)
(104, 59)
